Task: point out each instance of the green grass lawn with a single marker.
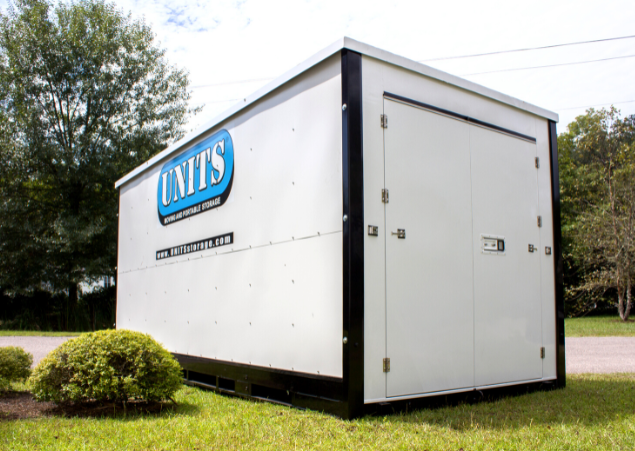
(594, 412)
(599, 326)
(37, 333)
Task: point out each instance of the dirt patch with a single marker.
(21, 405)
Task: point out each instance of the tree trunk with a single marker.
(72, 303)
(93, 315)
(629, 302)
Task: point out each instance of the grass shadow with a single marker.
(18, 405)
(587, 400)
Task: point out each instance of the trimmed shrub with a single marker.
(15, 365)
(109, 365)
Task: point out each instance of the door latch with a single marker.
(401, 234)
(532, 248)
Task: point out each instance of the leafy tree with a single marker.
(597, 157)
(85, 96)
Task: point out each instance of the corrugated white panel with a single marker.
(285, 208)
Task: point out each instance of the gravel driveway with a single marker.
(583, 354)
(38, 346)
(600, 354)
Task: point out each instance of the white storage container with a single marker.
(362, 230)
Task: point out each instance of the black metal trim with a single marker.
(302, 390)
(117, 258)
(353, 232)
(457, 115)
(557, 255)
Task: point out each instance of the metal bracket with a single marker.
(401, 234)
(547, 250)
(539, 221)
(387, 365)
(384, 121)
(532, 248)
(537, 162)
(384, 196)
(373, 230)
(542, 352)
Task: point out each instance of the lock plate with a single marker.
(373, 230)
(401, 234)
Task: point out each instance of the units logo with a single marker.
(198, 180)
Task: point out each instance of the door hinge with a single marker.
(384, 196)
(387, 365)
(384, 121)
(537, 162)
(542, 352)
(539, 221)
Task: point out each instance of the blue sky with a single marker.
(252, 41)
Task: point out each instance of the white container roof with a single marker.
(356, 46)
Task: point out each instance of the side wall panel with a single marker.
(380, 77)
(274, 297)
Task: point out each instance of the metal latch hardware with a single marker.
(384, 196)
(384, 121)
(387, 365)
(532, 248)
(542, 352)
(401, 234)
(537, 162)
(547, 250)
(373, 230)
(539, 221)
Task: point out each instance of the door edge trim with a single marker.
(459, 116)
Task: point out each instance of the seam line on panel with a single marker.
(540, 247)
(469, 141)
(383, 135)
(232, 251)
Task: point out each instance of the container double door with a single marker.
(458, 316)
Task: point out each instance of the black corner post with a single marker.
(353, 232)
(557, 254)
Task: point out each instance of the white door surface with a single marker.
(507, 307)
(429, 297)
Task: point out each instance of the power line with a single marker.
(224, 83)
(549, 65)
(238, 82)
(527, 49)
(591, 106)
